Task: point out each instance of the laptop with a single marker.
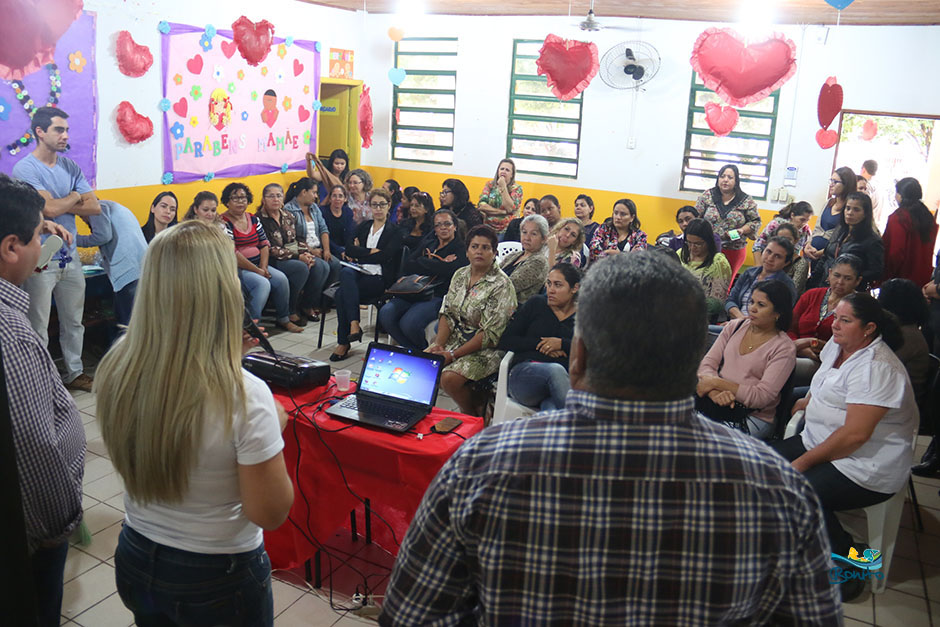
(397, 388)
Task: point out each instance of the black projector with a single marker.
(287, 371)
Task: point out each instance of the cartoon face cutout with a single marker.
(269, 112)
(220, 109)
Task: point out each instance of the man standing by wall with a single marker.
(869, 169)
(48, 436)
(67, 194)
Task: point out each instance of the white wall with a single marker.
(880, 69)
(124, 165)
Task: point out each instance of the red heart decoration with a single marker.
(568, 66)
(826, 139)
(228, 48)
(298, 67)
(742, 73)
(365, 117)
(180, 107)
(303, 113)
(253, 39)
(721, 120)
(194, 65)
(29, 31)
(869, 130)
(830, 102)
(133, 126)
(133, 59)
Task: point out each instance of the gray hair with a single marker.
(539, 221)
(364, 176)
(642, 321)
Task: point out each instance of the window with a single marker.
(423, 105)
(749, 146)
(544, 132)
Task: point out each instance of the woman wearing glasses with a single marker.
(252, 251)
(700, 256)
(375, 248)
(439, 256)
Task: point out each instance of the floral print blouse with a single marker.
(280, 235)
(527, 276)
(771, 230)
(494, 198)
(607, 238)
(742, 213)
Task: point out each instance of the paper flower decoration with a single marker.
(317, 46)
(316, 105)
(164, 104)
(208, 177)
(244, 116)
(306, 89)
(77, 61)
(4, 110)
(286, 103)
(194, 121)
(264, 70)
(167, 178)
(279, 76)
(205, 42)
(241, 75)
(281, 50)
(163, 27)
(218, 73)
(196, 92)
(231, 88)
(289, 41)
(210, 31)
(177, 130)
(254, 95)
(178, 79)
(307, 136)
(283, 166)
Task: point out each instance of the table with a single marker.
(390, 471)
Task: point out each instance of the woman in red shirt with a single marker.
(910, 235)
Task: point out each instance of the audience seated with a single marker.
(798, 268)
(252, 252)
(685, 215)
(528, 268)
(752, 358)
(406, 195)
(566, 242)
(910, 235)
(861, 419)
(394, 190)
(420, 220)
(621, 234)
(904, 299)
(162, 215)
(796, 214)
(841, 183)
(539, 334)
(699, 254)
(584, 211)
(376, 246)
(439, 256)
(529, 207)
(205, 208)
(456, 197)
(550, 209)
(777, 254)
(733, 215)
(339, 220)
(359, 184)
(473, 317)
(855, 234)
(501, 197)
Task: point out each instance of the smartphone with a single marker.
(733, 235)
(446, 425)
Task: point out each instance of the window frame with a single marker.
(397, 91)
(513, 98)
(740, 158)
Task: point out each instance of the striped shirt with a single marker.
(47, 431)
(251, 241)
(614, 512)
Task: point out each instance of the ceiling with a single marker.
(871, 12)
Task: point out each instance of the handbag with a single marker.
(413, 287)
(734, 416)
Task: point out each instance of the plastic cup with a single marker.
(342, 379)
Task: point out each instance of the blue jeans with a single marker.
(48, 566)
(539, 384)
(259, 288)
(406, 321)
(166, 586)
(296, 272)
(124, 302)
(353, 286)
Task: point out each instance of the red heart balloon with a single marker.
(826, 139)
(721, 120)
(180, 107)
(253, 39)
(303, 113)
(29, 31)
(133, 59)
(194, 65)
(742, 73)
(133, 126)
(228, 48)
(568, 66)
(365, 117)
(298, 67)
(869, 130)
(830, 102)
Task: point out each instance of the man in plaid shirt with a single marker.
(625, 507)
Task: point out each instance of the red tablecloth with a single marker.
(391, 470)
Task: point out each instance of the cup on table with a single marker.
(342, 380)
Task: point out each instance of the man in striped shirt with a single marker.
(625, 507)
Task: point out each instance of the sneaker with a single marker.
(82, 383)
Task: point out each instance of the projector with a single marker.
(287, 371)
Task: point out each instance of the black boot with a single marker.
(930, 462)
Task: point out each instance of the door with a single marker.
(338, 125)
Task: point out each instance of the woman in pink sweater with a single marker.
(752, 359)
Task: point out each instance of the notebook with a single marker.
(397, 388)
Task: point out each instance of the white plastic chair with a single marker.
(505, 408)
(504, 249)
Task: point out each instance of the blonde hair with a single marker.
(178, 365)
(579, 240)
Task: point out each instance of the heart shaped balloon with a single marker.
(253, 39)
(365, 117)
(826, 139)
(830, 102)
(133, 126)
(29, 31)
(869, 130)
(742, 73)
(721, 120)
(568, 66)
(839, 4)
(133, 59)
(397, 76)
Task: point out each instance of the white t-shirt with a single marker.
(210, 519)
(871, 376)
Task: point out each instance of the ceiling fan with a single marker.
(591, 24)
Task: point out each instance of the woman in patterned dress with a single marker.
(732, 213)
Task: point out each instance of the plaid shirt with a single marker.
(47, 431)
(614, 512)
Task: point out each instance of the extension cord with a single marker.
(368, 611)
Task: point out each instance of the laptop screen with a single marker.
(399, 375)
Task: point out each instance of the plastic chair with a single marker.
(504, 249)
(505, 408)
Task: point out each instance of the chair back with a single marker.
(929, 400)
(782, 415)
(504, 249)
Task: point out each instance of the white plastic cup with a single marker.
(342, 380)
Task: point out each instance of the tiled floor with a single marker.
(912, 598)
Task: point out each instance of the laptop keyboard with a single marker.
(378, 409)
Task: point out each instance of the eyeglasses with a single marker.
(835, 181)
(444, 192)
(378, 205)
(238, 199)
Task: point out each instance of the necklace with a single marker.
(22, 94)
(755, 339)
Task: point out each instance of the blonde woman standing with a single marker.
(196, 440)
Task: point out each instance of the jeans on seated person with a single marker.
(760, 429)
(539, 384)
(297, 274)
(353, 286)
(260, 287)
(406, 321)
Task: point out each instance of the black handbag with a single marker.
(413, 287)
(734, 416)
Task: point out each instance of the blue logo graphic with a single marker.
(862, 566)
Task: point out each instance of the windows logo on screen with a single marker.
(399, 375)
